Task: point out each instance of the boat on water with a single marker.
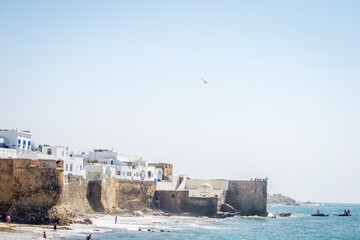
(319, 214)
(345, 214)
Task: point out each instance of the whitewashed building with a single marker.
(73, 163)
(126, 167)
(20, 140)
(200, 188)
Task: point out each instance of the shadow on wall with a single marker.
(93, 195)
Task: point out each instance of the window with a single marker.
(67, 167)
(173, 195)
(112, 162)
(49, 151)
(70, 167)
(119, 173)
(19, 141)
(149, 174)
(128, 174)
(24, 142)
(123, 173)
(28, 143)
(80, 167)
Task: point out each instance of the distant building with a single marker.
(167, 169)
(73, 163)
(126, 167)
(20, 140)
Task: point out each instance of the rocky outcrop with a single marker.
(280, 199)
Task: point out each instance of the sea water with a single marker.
(300, 226)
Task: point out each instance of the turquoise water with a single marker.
(300, 226)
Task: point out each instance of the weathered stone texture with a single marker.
(74, 198)
(36, 186)
(248, 197)
(102, 195)
(135, 195)
(180, 202)
(6, 184)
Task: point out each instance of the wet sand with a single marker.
(4, 227)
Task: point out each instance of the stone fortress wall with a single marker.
(31, 189)
(248, 197)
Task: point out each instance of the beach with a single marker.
(299, 226)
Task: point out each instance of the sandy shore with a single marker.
(4, 227)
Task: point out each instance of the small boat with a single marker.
(343, 215)
(319, 214)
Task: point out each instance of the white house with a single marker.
(20, 140)
(126, 167)
(73, 163)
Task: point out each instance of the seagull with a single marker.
(204, 80)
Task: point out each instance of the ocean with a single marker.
(300, 226)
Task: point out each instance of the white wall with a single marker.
(7, 153)
(17, 139)
(75, 166)
(216, 184)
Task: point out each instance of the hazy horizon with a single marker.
(282, 99)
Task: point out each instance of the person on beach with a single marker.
(44, 235)
(115, 219)
(8, 219)
(54, 226)
(89, 237)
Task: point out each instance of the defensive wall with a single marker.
(180, 202)
(248, 197)
(32, 189)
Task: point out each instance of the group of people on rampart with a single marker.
(259, 179)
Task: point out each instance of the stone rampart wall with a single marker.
(6, 185)
(74, 198)
(248, 197)
(180, 202)
(32, 189)
(134, 195)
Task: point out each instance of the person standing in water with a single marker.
(115, 219)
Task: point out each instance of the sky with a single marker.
(282, 99)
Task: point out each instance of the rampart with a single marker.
(135, 195)
(248, 197)
(32, 188)
(180, 202)
(35, 189)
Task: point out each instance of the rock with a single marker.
(224, 214)
(227, 208)
(58, 215)
(284, 214)
(88, 221)
(280, 199)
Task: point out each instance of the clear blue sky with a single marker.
(282, 99)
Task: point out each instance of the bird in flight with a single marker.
(204, 80)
